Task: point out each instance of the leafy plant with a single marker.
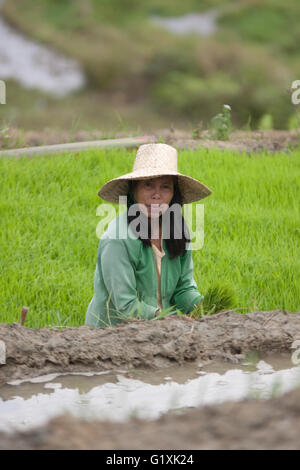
(4, 137)
(197, 130)
(221, 124)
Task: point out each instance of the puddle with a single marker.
(119, 395)
(36, 66)
(203, 24)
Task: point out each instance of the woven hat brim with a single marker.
(191, 189)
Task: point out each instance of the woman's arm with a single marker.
(120, 281)
(186, 295)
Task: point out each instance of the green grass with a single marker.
(48, 239)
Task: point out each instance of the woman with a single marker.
(144, 260)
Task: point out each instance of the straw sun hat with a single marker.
(154, 160)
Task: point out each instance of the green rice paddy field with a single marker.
(48, 222)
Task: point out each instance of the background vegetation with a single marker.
(155, 78)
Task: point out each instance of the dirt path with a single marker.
(241, 141)
(228, 336)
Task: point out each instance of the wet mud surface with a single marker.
(157, 345)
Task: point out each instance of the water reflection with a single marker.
(203, 24)
(118, 396)
(36, 66)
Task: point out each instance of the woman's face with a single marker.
(155, 194)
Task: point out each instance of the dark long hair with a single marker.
(175, 246)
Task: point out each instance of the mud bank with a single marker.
(255, 424)
(227, 336)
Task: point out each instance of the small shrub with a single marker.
(221, 124)
(266, 122)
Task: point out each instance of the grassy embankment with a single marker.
(48, 236)
(152, 78)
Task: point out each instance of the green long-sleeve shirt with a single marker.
(125, 281)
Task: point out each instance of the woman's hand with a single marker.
(183, 317)
(186, 318)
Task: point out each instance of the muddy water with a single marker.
(121, 394)
(35, 66)
(203, 24)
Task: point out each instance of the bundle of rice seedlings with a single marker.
(220, 296)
